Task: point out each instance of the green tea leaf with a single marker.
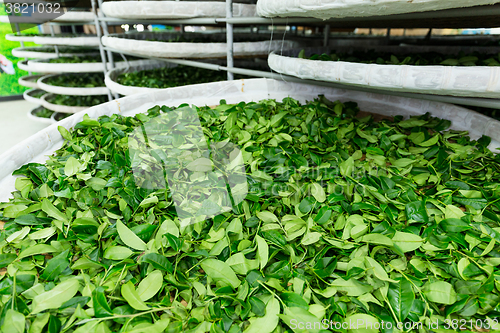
(129, 238)
(220, 271)
(132, 297)
(57, 296)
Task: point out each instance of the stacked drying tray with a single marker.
(466, 72)
(203, 48)
(72, 79)
(42, 113)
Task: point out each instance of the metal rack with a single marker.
(480, 16)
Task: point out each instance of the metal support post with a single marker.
(229, 39)
(326, 36)
(106, 32)
(429, 34)
(101, 48)
(18, 32)
(52, 34)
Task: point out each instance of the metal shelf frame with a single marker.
(229, 21)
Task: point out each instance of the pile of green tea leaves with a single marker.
(43, 113)
(172, 77)
(70, 100)
(422, 59)
(347, 219)
(86, 80)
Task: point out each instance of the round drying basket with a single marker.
(32, 115)
(29, 81)
(60, 108)
(173, 9)
(112, 76)
(466, 81)
(80, 91)
(44, 66)
(326, 9)
(214, 47)
(19, 38)
(80, 40)
(28, 96)
(30, 52)
(38, 147)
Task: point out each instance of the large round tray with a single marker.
(27, 96)
(215, 47)
(172, 9)
(114, 86)
(43, 66)
(475, 81)
(30, 52)
(81, 40)
(39, 146)
(29, 81)
(325, 9)
(60, 108)
(80, 91)
(31, 115)
(19, 38)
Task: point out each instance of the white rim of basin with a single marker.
(19, 38)
(27, 96)
(125, 43)
(469, 81)
(25, 52)
(29, 81)
(43, 66)
(31, 116)
(325, 9)
(69, 40)
(80, 91)
(114, 86)
(61, 108)
(24, 66)
(173, 9)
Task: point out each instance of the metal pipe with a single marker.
(229, 39)
(326, 37)
(101, 47)
(18, 32)
(106, 32)
(52, 34)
